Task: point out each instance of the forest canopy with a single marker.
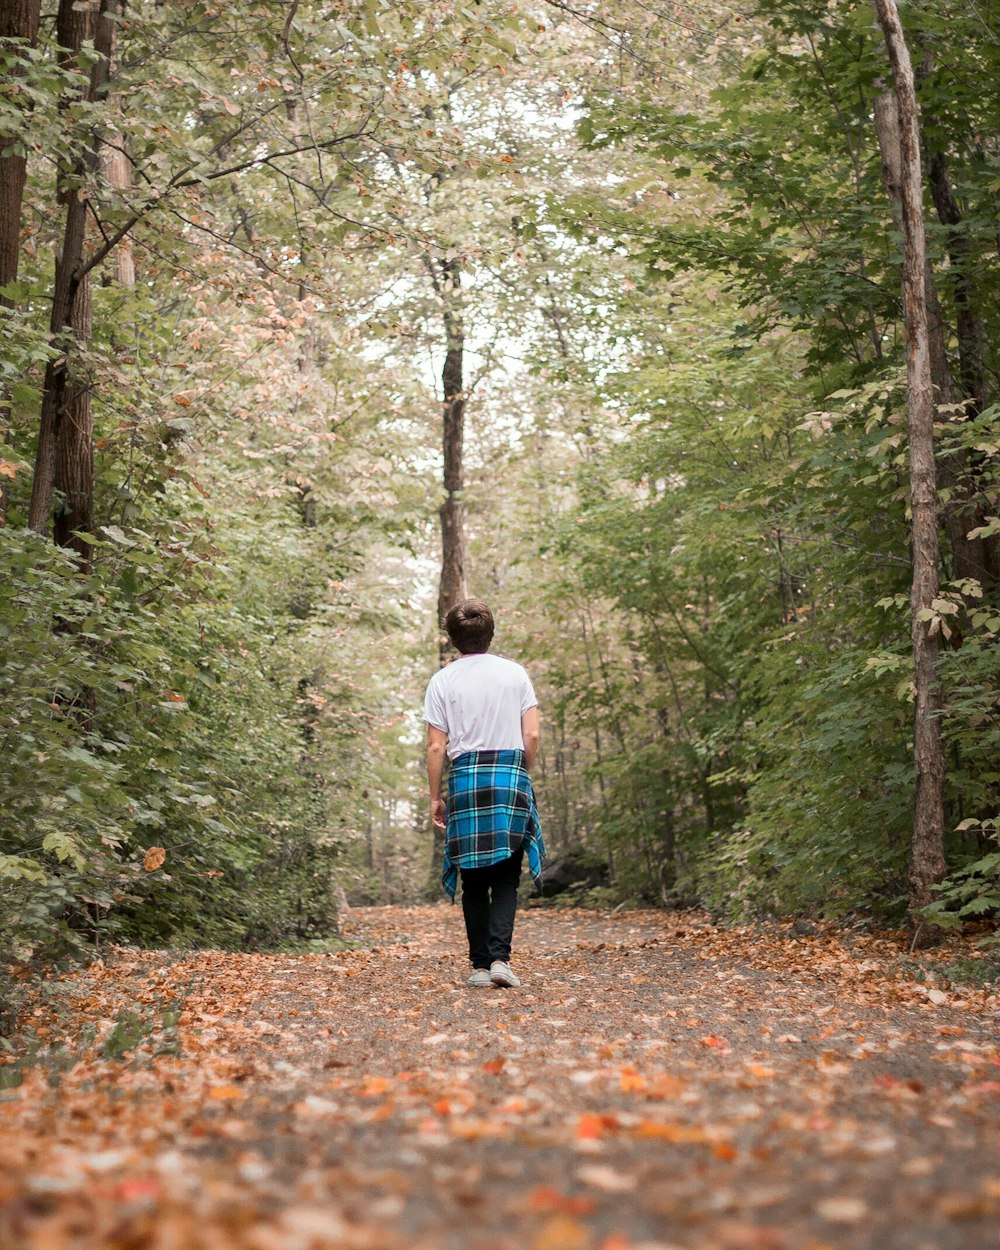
(670, 330)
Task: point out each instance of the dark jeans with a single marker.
(489, 901)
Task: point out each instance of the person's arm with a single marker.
(437, 741)
(529, 732)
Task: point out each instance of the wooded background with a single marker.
(671, 330)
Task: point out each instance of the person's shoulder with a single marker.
(438, 677)
(511, 666)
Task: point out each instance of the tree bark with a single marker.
(927, 862)
(74, 466)
(968, 327)
(452, 586)
(65, 430)
(116, 167)
(966, 553)
(18, 20)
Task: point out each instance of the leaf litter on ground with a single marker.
(658, 1082)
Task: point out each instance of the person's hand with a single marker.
(439, 814)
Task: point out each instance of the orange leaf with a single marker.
(494, 1066)
(545, 1198)
(442, 1107)
(666, 1086)
(631, 1081)
(561, 1233)
(7, 469)
(724, 1150)
(668, 1131)
(470, 1130)
(714, 1041)
(129, 1191)
(154, 858)
(589, 1127)
(224, 1093)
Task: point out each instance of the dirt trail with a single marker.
(656, 1084)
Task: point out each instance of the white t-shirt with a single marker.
(478, 701)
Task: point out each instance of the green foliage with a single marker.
(121, 738)
(686, 482)
(746, 535)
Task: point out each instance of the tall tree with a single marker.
(452, 585)
(64, 455)
(927, 862)
(19, 20)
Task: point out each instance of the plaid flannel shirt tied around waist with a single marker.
(491, 813)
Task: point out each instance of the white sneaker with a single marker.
(479, 978)
(501, 974)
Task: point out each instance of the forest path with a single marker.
(656, 1083)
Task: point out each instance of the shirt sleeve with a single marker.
(434, 706)
(528, 699)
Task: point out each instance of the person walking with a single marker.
(482, 713)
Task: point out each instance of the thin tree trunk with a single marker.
(74, 468)
(116, 167)
(452, 587)
(965, 554)
(984, 553)
(18, 20)
(65, 421)
(968, 327)
(927, 862)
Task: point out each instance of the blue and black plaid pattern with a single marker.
(491, 812)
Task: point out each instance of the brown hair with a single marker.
(470, 626)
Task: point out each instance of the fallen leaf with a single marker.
(561, 1233)
(631, 1081)
(225, 1093)
(669, 1131)
(546, 1198)
(589, 1127)
(843, 1210)
(154, 858)
(606, 1178)
(137, 1190)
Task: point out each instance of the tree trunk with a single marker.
(74, 467)
(968, 327)
(452, 588)
(927, 862)
(966, 558)
(984, 553)
(65, 431)
(18, 20)
(116, 167)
